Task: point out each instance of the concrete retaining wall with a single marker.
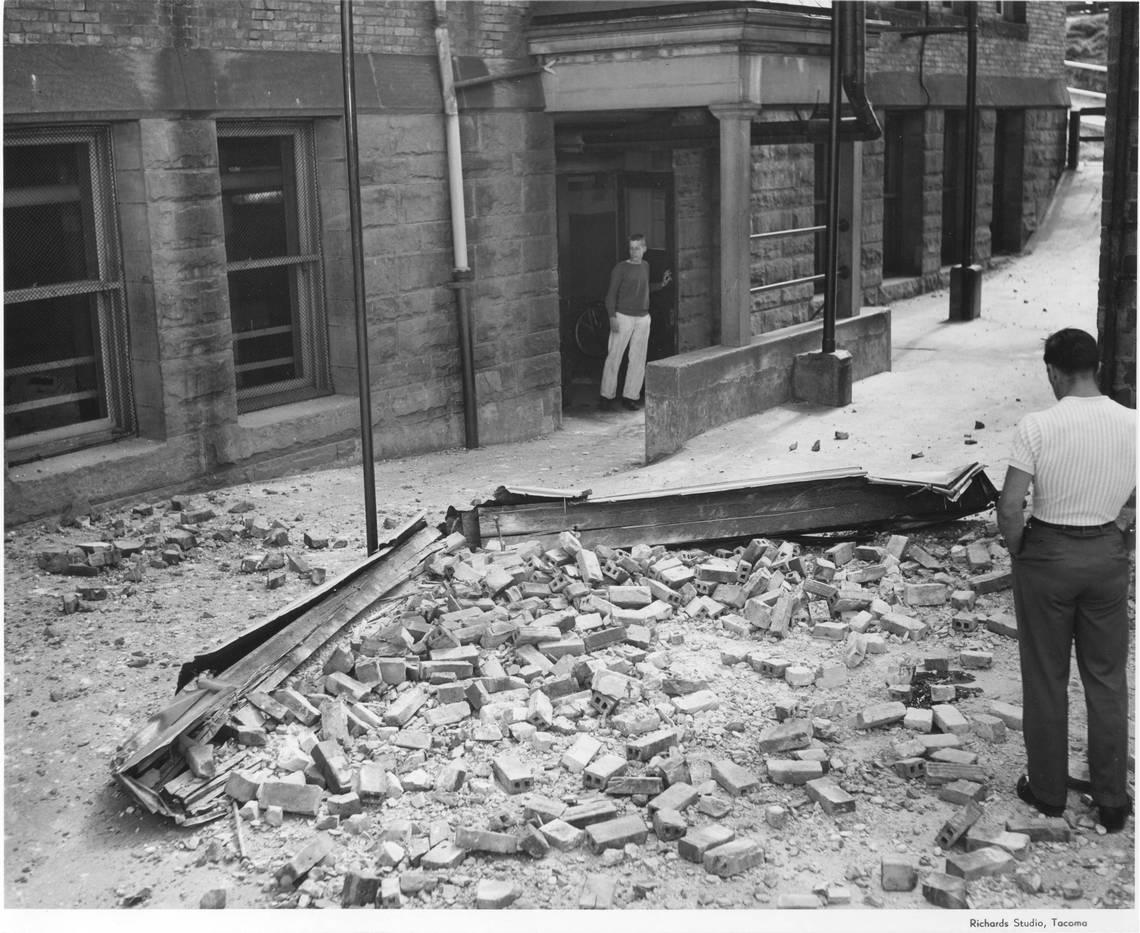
(688, 394)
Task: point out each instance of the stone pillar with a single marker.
(190, 289)
(849, 289)
(735, 221)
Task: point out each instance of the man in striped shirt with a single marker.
(1070, 577)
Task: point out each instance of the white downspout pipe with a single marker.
(462, 275)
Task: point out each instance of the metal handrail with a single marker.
(793, 232)
(803, 281)
(1086, 66)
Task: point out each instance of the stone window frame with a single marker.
(107, 289)
(310, 311)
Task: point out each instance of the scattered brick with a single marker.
(980, 863)
(1007, 713)
(699, 840)
(734, 857)
(494, 895)
(945, 891)
(898, 873)
(880, 715)
(1041, 829)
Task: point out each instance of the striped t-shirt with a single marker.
(1082, 455)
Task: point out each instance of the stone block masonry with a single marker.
(246, 58)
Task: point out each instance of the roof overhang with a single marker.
(667, 56)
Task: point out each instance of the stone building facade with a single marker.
(179, 288)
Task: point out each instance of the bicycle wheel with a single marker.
(592, 333)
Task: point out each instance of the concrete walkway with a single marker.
(946, 378)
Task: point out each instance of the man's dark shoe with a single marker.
(1114, 818)
(605, 404)
(1025, 792)
(631, 404)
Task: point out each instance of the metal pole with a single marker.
(1074, 140)
(832, 284)
(352, 157)
(970, 192)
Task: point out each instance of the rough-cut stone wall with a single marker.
(697, 232)
(1013, 59)
(490, 28)
(280, 60)
(1045, 135)
(509, 171)
(188, 271)
(783, 198)
(933, 128)
(1033, 49)
(872, 250)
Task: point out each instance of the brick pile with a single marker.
(545, 677)
(165, 535)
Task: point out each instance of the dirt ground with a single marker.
(78, 685)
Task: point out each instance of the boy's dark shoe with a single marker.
(1025, 792)
(605, 404)
(631, 404)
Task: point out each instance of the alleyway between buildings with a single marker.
(78, 685)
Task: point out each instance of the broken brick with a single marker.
(699, 840)
(944, 890)
(898, 873)
(733, 857)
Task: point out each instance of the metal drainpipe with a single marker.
(853, 16)
(832, 284)
(462, 276)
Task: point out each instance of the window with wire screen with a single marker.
(273, 263)
(66, 373)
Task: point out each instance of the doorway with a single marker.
(902, 193)
(597, 211)
(1009, 159)
(953, 185)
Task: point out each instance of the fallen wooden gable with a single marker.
(151, 765)
(848, 500)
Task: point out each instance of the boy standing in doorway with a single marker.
(627, 303)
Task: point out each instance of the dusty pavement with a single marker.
(77, 685)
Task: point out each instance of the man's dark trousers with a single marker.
(1073, 586)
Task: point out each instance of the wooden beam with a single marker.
(805, 504)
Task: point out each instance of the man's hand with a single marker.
(666, 278)
(1011, 503)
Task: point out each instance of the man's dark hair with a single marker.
(1072, 351)
(636, 236)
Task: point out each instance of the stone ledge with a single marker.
(290, 438)
(688, 394)
(284, 427)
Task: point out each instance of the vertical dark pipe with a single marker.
(352, 157)
(970, 188)
(832, 282)
(1074, 140)
(461, 281)
(1117, 274)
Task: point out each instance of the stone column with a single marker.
(186, 240)
(735, 221)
